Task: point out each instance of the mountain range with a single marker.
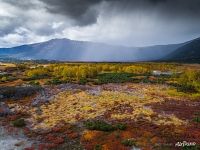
(71, 50)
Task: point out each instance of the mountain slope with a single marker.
(70, 50)
(189, 52)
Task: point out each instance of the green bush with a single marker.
(83, 81)
(128, 142)
(115, 78)
(98, 147)
(187, 88)
(120, 126)
(146, 79)
(19, 123)
(99, 125)
(197, 119)
(103, 126)
(196, 147)
(35, 83)
(54, 81)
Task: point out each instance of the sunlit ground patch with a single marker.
(73, 107)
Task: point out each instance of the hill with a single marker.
(189, 52)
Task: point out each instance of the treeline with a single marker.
(82, 71)
(187, 81)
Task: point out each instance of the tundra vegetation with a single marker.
(102, 106)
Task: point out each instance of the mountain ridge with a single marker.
(189, 52)
(71, 50)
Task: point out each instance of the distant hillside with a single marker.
(70, 50)
(189, 52)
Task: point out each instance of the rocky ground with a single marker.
(156, 117)
(12, 141)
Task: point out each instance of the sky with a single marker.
(119, 22)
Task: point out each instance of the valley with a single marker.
(100, 106)
(99, 75)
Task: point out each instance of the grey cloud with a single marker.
(83, 12)
(29, 15)
(23, 4)
(9, 25)
(126, 22)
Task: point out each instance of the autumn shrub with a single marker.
(68, 80)
(189, 81)
(37, 73)
(19, 123)
(21, 67)
(4, 79)
(117, 135)
(136, 69)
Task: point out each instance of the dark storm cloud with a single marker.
(79, 10)
(85, 13)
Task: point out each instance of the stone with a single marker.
(4, 110)
(20, 143)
